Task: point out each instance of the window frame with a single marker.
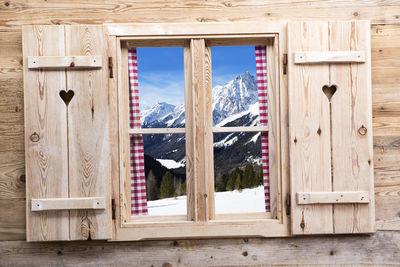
(194, 38)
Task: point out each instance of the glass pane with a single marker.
(161, 87)
(238, 178)
(165, 174)
(234, 81)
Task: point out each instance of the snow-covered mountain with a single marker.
(234, 97)
(234, 104)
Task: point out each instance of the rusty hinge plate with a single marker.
(113, 208)
(285, 61)
(287, 202)
(110, 67)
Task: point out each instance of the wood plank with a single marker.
(329, 57)
(45, 121)
(124, 140)
(189, 145)
(21, 12)
(201, 29)
(309, 128)
(156, 130)
(380, 249)
(77, 203)
(89, 134)
(305, 198)
(240, 129)
(351, 107)
(13, 219)
(70, 62)
(201, 129)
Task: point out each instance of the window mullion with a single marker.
(199, 131)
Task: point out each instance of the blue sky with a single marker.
(161, 76)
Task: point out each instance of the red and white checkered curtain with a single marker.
(261, 65)
(138, 180)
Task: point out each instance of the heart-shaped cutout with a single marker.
(329, 91)
(67, 96)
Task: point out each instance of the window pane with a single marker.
(234, 80)
(161, 87)
(238, 178)
(165, 175)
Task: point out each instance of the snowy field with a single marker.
(247, 200)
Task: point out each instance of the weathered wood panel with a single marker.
(329, 250)
(14, 13)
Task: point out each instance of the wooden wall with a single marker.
(382, 248)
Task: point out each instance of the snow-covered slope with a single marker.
(244, 201)
(156, 112)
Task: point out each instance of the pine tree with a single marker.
(249, 177)
(183, 188)
(153, 192)
(219, 183)
(229, 183)
(237, 184)
(167, 188)
(260, 178)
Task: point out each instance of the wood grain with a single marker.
(309, 128)
(89, 141)
(380, 249)
(386, 101)
(45, 118)
(21, 12)
(73, 62)
(352, 153)
(329, 57)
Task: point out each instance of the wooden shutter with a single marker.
(68, 146)
(331, 158)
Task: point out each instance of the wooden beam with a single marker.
(310, 57)
(380, 249)
(57, 62)
(303, 198)
(156, 130)
(78, 203)
(240, 129)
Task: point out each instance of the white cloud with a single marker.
(161, 87)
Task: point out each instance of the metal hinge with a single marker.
(284, 61)
(110, 67)
(287, 204)
(113, 208)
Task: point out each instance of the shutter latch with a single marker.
(287, 204)
(284, 61)
(110, 67)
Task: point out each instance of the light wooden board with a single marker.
(309, 128)
(89, 134)
(352, 153)
(46, 120)
(56, 62)
(332, 197)
(77, 203)
(349, 125)
(329, 57)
